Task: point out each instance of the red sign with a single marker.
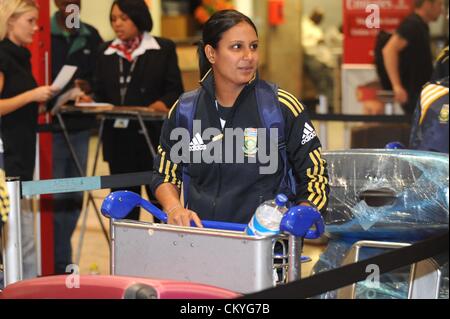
(363, 19)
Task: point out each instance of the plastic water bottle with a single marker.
(267, 218)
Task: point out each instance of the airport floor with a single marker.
(95, 254)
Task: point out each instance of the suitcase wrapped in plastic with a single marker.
(390, 196)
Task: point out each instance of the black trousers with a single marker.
(128, 152)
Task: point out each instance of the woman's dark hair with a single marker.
(213, 30)
(137, 11)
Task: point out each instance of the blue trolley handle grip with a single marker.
(156, 212)
(318, 232)
(299, 219)
(222, 225)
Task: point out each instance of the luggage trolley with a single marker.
(223, 257)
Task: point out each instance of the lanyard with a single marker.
(125, 81)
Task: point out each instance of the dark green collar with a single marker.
(57, 30)
(82, 34)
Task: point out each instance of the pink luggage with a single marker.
(111, 287)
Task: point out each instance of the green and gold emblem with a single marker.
(250, 142)
(443, 116)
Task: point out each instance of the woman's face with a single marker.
(235, 60)
(22, 28)
(123, 26)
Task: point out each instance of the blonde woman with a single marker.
(19, 94)
(19, 100)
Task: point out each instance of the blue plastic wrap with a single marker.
(385, 195)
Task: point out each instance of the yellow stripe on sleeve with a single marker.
(310, 185)
(162, 160)
(436, 95)
(293, 99)
(315, 186)
(287, 104)
(174, 175)
(324, 200)
(317, 179)
(167, 172)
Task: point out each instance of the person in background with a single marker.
(430, 130)
(4, 203)
(318, 60)
(407, 55)
(227, 99)
(20, 97)
(75, 45)
(135, 69)
(4, 198)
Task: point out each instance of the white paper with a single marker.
(64, 77)
(70, 95)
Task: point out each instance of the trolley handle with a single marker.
(297, 221)
(155, 211)
(118, 205)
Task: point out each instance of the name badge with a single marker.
(121, 123)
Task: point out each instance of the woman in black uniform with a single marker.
(136, 69)
(229, 187)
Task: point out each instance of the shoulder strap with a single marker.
(269, 110)
(272, 117)
(185, 113)
(187, 106)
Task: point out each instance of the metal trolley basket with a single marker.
(222, 258)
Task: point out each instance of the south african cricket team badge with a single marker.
(250, 142)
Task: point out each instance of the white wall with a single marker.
(244, 6)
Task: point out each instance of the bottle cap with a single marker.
(281, 200)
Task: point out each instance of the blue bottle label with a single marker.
(255, 228)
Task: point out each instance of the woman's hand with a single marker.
(158, 106)
(182, 217)
(83, 98)
(83, 85)
(400, 94)
(42, 94)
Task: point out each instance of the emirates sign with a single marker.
(363, 19)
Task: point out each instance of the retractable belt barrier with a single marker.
(80, 184)
(353, 273)
(46, 128)
(360, 118)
